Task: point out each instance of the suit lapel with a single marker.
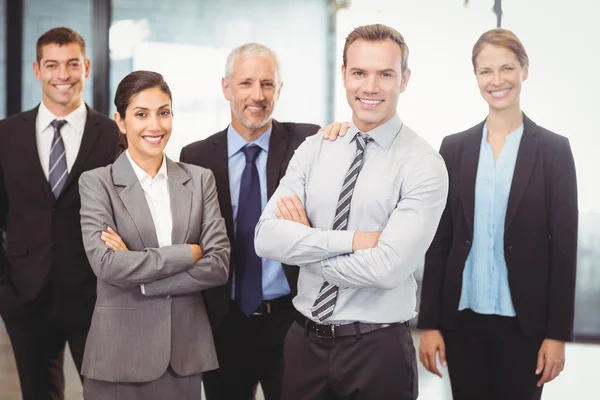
(468, 172)
(32, 155)
(526, 159)
(277, 145)
(90, 135)
(219, 165)
(181, 201)
(134, 200)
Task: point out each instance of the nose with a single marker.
(371, 84)
(63, 72)
(153, 123)
(497, 78)
(257, 93)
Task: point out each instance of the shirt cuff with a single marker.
(339, 242)
(143, 288)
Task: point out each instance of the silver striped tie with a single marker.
(57, 174)
(327, 297)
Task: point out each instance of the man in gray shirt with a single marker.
(357, 216)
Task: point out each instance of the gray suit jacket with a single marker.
(134, 337)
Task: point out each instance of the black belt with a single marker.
(272, 306)
(330, 331)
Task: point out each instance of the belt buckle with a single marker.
(267, 306)
(325, 331)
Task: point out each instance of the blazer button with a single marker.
(468, 242)
(167, 297)
(509, 247)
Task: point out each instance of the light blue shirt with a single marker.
(274, 282)
(485, 287)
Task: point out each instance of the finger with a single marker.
(328, 131)
(344, 129)
(433, 364)
(284, 210)
(442, 355)
(556, 370)
(546, 374)
(300, 207)
(111, 245)
(292, 208)
(334, 130)
(278, 214)
(540, 363)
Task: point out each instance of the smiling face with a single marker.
(500, 77)
(252, 91)
(374, 79)
(147, 124)
(62, 70)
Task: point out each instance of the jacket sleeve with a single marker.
(563, 220)
(212, 269)
(122, 268)
(435, 261)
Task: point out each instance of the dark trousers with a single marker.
(377, 365)
(249, 350)
(490, 358)
(38, 339)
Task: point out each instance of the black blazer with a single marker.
(540, 240)
(44, 248)
(211, 153)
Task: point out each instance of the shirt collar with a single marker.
(235, 142)
(143, 175)
(514, 136)
(383, 134)
(76, 118)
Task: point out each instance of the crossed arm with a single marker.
(191, 267)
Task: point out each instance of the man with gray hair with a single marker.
(252, 313)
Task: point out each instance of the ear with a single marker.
(226, 88)
(120, 122)
(344, 75)
(405, 79)
(525, 72)
(88, 65)
(36, 70)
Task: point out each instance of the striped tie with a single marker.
(325, 303)
(57, 175)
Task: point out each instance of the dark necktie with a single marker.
(248, 266)
(327, 297)
(57, 174)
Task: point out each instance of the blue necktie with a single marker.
(248, 266)
(57, 175)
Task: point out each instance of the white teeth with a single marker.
(153, 139)
(63, 87)
(372, 102)
(255, 108)
(500, 93)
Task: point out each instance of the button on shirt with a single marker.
(401, 191)
(274, 282)
(485, 287)
(71, 133)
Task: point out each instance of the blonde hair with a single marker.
(503, 38)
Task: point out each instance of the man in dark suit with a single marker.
(48, 289)
(250, 314)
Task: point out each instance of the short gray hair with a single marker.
(249, 50)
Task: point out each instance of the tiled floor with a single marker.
(579, 381)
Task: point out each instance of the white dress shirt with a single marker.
(157, 194)
(71, 132)
(401, 192)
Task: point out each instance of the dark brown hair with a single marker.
(60, 36)
(503, 38)
(377, 33)
(134, 83)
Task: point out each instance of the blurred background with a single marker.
(188, 40)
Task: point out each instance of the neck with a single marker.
(503, 122)
(149, 164)
(366, 127)
(249, 134)
(62, 110)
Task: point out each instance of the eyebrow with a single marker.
(56, 61)
(147, 109)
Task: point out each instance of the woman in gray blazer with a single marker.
(155, 238)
